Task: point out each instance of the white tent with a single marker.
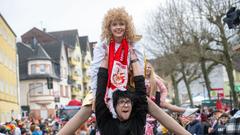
(197, 100)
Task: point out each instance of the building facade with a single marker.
(43, 78)
(74, 56)
(9, 92)
(87, 58)
(73, 51)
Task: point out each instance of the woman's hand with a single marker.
(133, 55)
(105, 59)
(106, 47)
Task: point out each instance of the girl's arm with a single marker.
(163, 89)
(98, 56)
(74, 123)
(165, 119)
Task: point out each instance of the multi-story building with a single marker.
(9, 93)
(73, 49)
(71, 43)
(87, 58)
(43, 77)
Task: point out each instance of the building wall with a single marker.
(86, 75)
(65, 88)
(45, 101)
(35, 92)
(76, 70)
(8, 69)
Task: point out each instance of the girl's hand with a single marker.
(133, 55)
(106, 51)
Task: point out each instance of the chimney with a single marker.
(44, 29)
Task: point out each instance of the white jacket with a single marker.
(98, 55)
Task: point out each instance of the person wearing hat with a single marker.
(194, 126)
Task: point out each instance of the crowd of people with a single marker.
(26, 126)
(207, 121)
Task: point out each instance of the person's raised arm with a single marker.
(102, 112)
(134, 63)
(140, 107)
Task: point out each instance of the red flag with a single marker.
(219, 105)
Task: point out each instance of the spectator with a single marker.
(23, 131)
(221, 126)
(214, 121)
(205, 123)
(194, 127)
(233, 127)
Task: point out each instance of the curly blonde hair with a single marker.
(118, 14)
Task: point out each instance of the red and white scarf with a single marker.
(117, 71)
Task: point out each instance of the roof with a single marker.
(68, 36)
(54, 50)
(24, 52)
(84, 44)
(41, 36)
(91, 47)
(38, 52)
(7, 25)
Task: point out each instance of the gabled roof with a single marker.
(91, 47)
(54, 50)
(84, 44)
(41, 36)
(39, 53)
(68, 36)
(24, 52)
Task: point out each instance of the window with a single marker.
(33, 69)
(1, 57)
(39, 88)
(42, 69)
(66, 89)
(10, 89)
(6, 87)
(61, 90)
(1, 86)
(47, 68)
(36, 89)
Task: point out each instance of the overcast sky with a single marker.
(84, 15)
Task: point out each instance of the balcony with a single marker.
(70, 80)
(86, 64)
(73, 77)
(86, 79)
(72, 61)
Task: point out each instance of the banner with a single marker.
(217, 93)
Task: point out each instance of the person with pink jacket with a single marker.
(157, 91)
